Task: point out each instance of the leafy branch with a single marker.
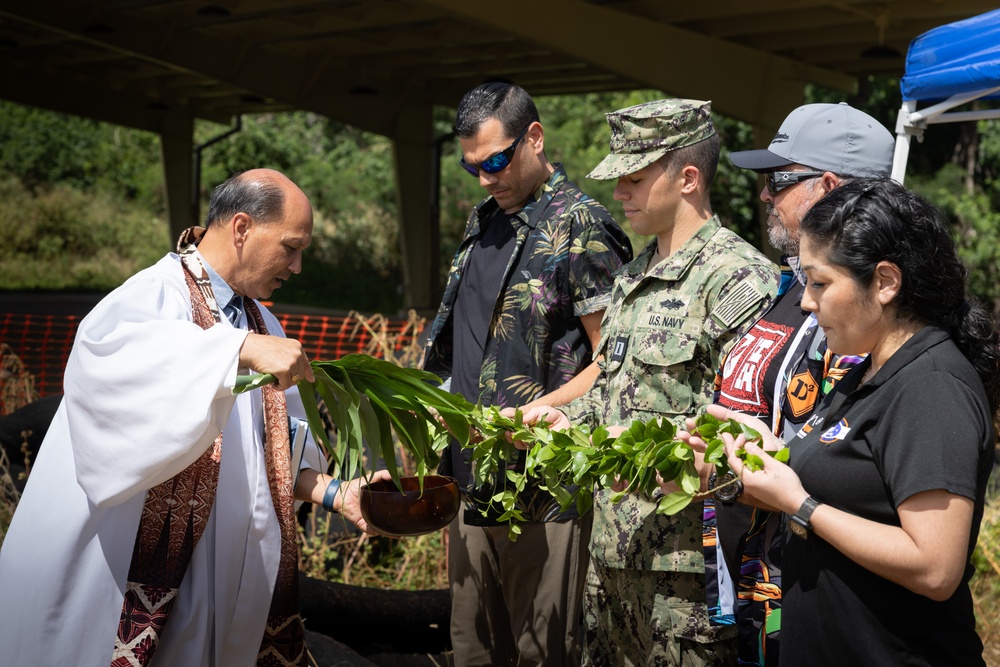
(570, 464)
(709, 428)
(369, 399)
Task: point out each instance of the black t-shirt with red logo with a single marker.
(753, 367)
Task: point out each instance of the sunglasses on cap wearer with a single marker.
(497, 162)
(777, 181)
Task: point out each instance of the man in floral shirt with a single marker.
(519, 319)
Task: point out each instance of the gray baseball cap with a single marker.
(642, 134)
(831, 137)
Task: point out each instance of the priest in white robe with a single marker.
(147, 393)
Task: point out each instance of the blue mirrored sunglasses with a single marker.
(497, 162)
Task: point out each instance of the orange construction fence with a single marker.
(43, 342)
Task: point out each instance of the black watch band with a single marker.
(799, 523)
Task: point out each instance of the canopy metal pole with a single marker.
(903, 133)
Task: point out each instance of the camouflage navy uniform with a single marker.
(663, 337)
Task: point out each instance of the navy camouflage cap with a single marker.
(642, 134)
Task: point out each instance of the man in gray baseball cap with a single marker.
(675, 311)
(829, 142)
(780, 369)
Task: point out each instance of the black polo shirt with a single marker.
(922, 423)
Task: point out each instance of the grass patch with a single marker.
(333, 552)
(985, 582)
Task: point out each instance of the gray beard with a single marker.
(778, 235)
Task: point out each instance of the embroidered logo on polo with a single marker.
(802, 392)
(811, 423)
(839, 431)
(743, 373)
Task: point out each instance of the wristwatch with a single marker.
(799, 523)
(731, 489)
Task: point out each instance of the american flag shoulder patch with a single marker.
(736, 303)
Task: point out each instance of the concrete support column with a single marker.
(419, 236)
(177, 156)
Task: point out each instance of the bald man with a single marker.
(157, 525)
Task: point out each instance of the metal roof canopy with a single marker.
(381, 65)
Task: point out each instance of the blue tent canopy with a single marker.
(947, 67)
(956, 58)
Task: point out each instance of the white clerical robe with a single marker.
(146, 392)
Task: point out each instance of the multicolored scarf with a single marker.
(176, 512)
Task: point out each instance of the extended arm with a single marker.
(925, 554)
(583, 380)
(311, 487)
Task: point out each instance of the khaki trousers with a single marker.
(517, 603)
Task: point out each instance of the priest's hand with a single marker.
(283, 358)
(348, 500)
(312, 487)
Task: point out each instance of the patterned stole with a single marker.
(176, 512)
(284, 636)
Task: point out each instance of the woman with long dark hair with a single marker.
(885, 485)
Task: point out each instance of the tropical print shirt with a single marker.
(566, 252)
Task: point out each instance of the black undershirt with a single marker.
(476, 300)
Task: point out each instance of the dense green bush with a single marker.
(77, 179)
(60, 238)
(42, 148)
(354, 261)
(348, 174)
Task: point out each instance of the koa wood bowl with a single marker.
(411, 512)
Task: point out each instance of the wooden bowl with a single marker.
(410, 513)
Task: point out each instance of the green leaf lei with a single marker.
(369, 399)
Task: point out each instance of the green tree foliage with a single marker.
(43, 148)
(112, 175)
(975, 212)
(65, 239)
(348, 176)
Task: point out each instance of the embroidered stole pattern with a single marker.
(284, 635)
(176, 512)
